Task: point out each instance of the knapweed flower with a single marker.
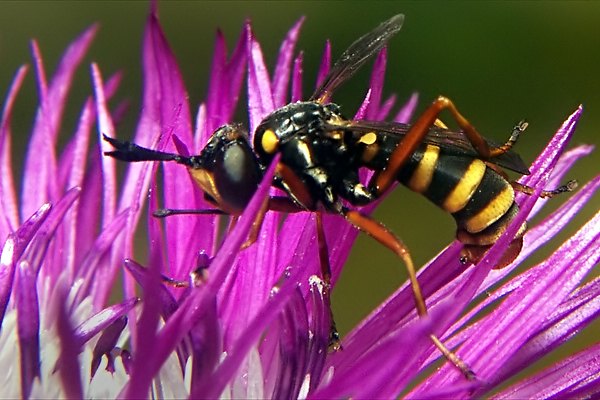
(253, 323)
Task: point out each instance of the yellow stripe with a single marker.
(421, 177)
(492, 212)
(464, 189)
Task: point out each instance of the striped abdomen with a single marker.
(479, 198)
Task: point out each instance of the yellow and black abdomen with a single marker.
(479, 198)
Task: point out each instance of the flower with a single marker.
(255, 323)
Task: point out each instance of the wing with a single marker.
(451, 142)
(356, 55)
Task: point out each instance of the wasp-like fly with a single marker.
(321, 153)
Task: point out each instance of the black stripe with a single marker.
(407, 171)
(449, 171)
(490, 187)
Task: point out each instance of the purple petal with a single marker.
(379, 365)
(236, 69)
(407, 111)
(105, 127)
(72, 163)
(72, 166)
(482, 365)
(264, 317)
(28, 325)
(106, 343)
(207, 347)
(385, 108)
(13, 249)
(96, 272)
(63, 77)
(541, 234)
(171, 109)
(575, 377)
(196, 305)
(10, 217)
(543, 165)
(376, 85)
(145, 329)
(201, 133)
(297, 73)
(364, 106)
(68, 362)
(523, 312)
(88, 212)
(386, 318)
(260, 95)
(256, 274)
(37, 248)
(320, 325)
(325, 64)
(40, 71)
(293, 346)
(169, 304)
(40, 165)
(215, 84)
(581, 309)
(284, 61)
(533, 240)
(225, 83)
(101, 320)
(564, 164)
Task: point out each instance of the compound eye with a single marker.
(268, 141)
(236, 175)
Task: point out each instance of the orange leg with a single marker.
(417, 132)
(334, 336)
(545, 194)
(384, 236)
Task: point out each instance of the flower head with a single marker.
(255, 322)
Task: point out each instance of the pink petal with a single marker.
(260, 95)
(13, 248)
(407, 111)
(376, 85)
(10, 217)
(28, 325)
(68, 362)
(197, 304)
(575, 377)
(106, 343)
(40, 166)
(297, 73)
(101, 320)
(325, 64)
(284, 61)
(105, 127)
(385, 108)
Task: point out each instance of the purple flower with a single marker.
(255, 322)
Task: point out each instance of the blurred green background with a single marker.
(499, 61)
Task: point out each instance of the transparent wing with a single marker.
(356, 55)
(450, 141)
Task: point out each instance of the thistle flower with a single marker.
(255, 324)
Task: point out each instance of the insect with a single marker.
(321, 154)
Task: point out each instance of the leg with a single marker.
(334, 336)
(389, 240)
(545, 194)
(417, 132)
